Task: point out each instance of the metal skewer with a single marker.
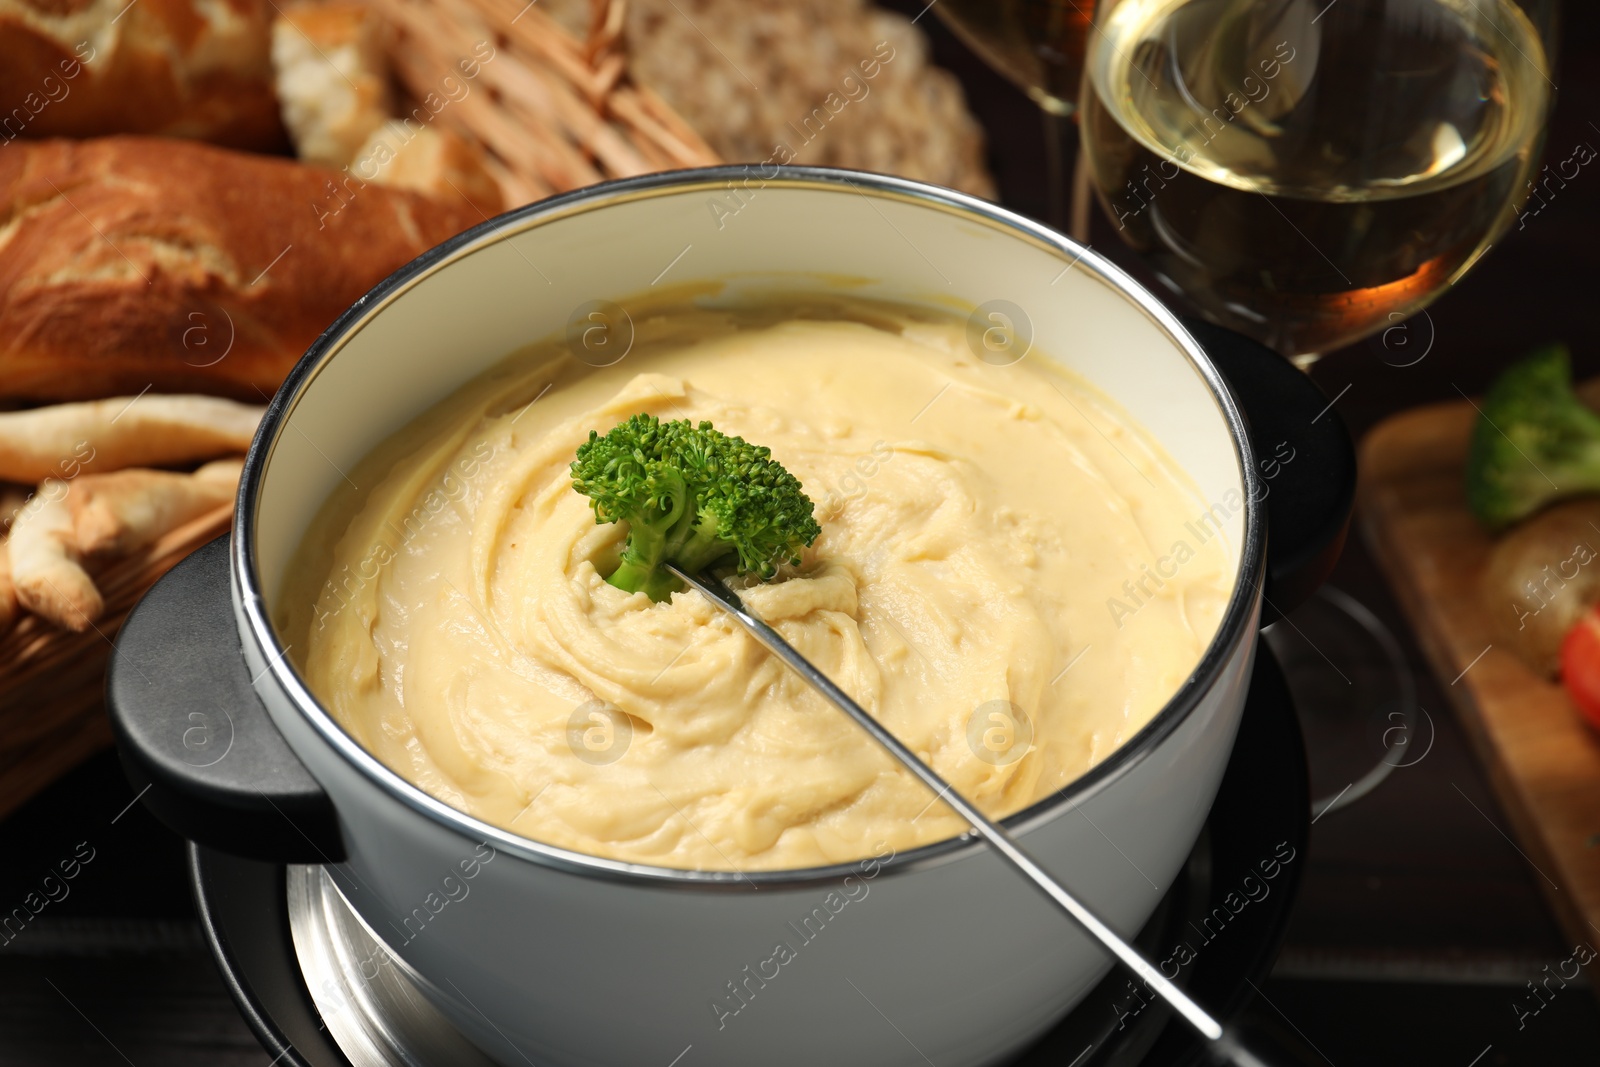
(1223, 1045)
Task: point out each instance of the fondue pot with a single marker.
(549, 957)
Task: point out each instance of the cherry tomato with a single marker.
(1580, 666)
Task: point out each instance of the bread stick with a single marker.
(45, 570)
(63, 440)
(8, 592)
(12, 497)
(114, 514)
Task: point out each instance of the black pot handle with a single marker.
(1304, 456)
(192, 734)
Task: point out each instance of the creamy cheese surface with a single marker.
(1011, 576)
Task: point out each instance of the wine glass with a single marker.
(1309, 172)
(1039, 45)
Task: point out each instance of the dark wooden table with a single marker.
(1418, 922)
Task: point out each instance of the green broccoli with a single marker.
(1535, 442)
(691, 496)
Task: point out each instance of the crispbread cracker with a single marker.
(753, 75)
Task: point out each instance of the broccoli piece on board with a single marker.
(1535, 441)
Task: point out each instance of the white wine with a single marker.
(1038, 44)
(1308, 178)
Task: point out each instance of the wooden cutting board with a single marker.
(1543, 761)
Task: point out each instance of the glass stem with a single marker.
(1081, 198)
(1055, 171)
(1067, 209)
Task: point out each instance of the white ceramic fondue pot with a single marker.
(548, 957)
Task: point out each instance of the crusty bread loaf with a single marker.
(179, 68)
(133, 262)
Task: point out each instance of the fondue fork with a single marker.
(1222, 1044)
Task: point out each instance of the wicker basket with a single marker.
(52, 680)
(553, 113)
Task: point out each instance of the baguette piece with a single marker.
(332, 79)
(179, 68)
(134, 263)
(108, 435)
(45, 569)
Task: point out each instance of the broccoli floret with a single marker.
(691, 496)
(1535, 442)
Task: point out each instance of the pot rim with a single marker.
(1235, 626)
